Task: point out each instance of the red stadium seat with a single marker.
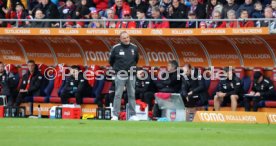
(239, 71)
(270, 104)
(72, 100)
(211, 102)
(88, 100)
(107, 85)
(55, 100)
(39, 99)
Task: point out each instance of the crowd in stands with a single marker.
(139, 10)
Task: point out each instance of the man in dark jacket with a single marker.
(198, 9)
(144, 88)
(263, 89)
(124, 58)
(75, 86)
(179, 11)
(229, 89)
(231, 5)
(31, 83)
(248, 5)
(8, 84)
(193, 90)
(172, 84)
(141, 15)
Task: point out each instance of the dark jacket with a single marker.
(226, 8)
(196, 86)
(170, 85)
(249, 8)
(231, 87)
(77, 86)
(36, 82)
(266, 88)
(123, 57)
(200, 11)
(144, 24)
(8, 83)
(143, 86)
(178, 13)
(50, 10)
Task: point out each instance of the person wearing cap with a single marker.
(263, 89)
(120, 7)
(8, 82)
(156, 14)
(126, 24)
(193, 90)
(191, 24)
(76, 85)
(141, 15)
(230, 89)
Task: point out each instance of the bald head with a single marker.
(124, 38)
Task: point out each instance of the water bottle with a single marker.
(39, 111)
(107, 114)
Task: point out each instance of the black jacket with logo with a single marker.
(8, 83)
(123, 57)
(79, 85)
(36, 82)
(231, 87)
(266, 87)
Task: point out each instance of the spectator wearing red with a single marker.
(141, 15)
(21, 13)
(101, 6)
(67, 12)
(156, 14)
(119, 7)
(126, 24)
(244, 16)
(231, 14)
(217, 24)
(110, 15)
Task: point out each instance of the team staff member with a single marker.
(123, 56)
(193, 90)
(229, 89)
(144, 89)
(263, 89)
(76, 86)
(8, 83)
(31, 83)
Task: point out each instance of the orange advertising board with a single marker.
(95, 50)
(220, 51)
(10, 51)
(158, 52)
(253, 51)
(66, 49)
(189, 50)
(134, 32)
(231, 117)
(271, 118)
(36, 49)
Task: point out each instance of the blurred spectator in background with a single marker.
(273, 5)
(191, 24)
(39, 24)
(20, 13)
(82, 12)
(110, 15)
(95, 24)
(202, 24)
(119, 7)
(101, 6)
(217, 24)
(138, 4)
(248, 5)
(231, 14)
(164, 7)
(198, 9)
(141, 16)
(67, 12)
(126, 24)
(268, 13)
(244, 16)
(156, 14)
(152, 4)
(258, 10)
(231, 5)
(210, 8)
(178, 11)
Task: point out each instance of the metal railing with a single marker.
(271, 22)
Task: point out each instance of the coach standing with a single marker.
(123, 57)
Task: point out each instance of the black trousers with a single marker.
(247, 101)
(20, 98)
(66, 95)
